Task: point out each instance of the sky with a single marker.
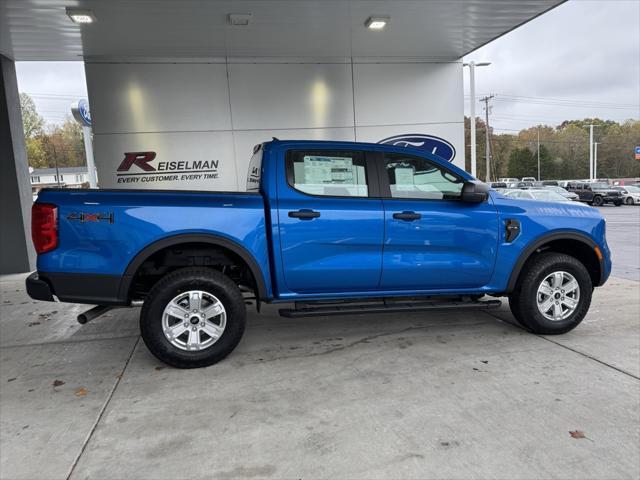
(581, 59)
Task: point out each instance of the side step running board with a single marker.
(317, 310)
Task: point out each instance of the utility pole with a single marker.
(538, 153)
(591, 152)
(592, 172)
(55, 161)
(595, 161)
(487, 146)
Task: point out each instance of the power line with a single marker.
(561, 101)
(55, 95)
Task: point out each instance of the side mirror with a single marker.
(474, 192)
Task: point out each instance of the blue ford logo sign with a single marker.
(81, 112)
(429, 143)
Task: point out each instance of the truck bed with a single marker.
(102, 231)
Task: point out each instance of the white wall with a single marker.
(217, 112)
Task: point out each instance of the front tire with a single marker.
(597, 201)
(552, 295)
(629, 201)
(193, 317)
(617, 203)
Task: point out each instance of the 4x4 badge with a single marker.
(91, 217)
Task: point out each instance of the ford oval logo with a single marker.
(85, 113)
(435, 145)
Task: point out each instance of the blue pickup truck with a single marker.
(325, 227)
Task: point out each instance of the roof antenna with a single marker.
(275, 139)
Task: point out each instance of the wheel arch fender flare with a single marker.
(533, 246)
(211, 239)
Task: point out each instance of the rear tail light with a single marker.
(44, 227)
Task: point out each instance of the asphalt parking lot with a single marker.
(420, 395)
(623, 235)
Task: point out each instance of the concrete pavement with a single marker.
(420, 395)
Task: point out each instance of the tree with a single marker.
(604, 125)
(564, 150)
(37, 154)
(571, 148)
(547, 166)
(32, 122)
(68, 144)
(522, 163)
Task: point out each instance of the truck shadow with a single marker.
(270, 337)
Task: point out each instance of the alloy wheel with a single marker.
(558, 296)
(194, 320)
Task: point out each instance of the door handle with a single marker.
(304, 214)
(406, 215)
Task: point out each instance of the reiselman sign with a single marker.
(164, 171)
(202, 161)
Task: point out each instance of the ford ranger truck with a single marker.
(325, 227)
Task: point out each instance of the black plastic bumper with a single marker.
(38, 289)
(92, 289)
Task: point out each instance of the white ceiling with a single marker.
(429, 29)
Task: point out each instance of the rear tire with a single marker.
(597, 201)
(193, 317)
(629, 201)
(552, 294)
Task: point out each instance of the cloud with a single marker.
(586, 51)
(53, 86)
(581, 50)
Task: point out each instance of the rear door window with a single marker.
(329, 173)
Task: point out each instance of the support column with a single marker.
(16, 251)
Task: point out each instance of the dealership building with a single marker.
(189, 87)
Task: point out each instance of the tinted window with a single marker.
(330, 173)
(415, 177)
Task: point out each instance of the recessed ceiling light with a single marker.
(78, 15)
(376, 23)
(240, 19)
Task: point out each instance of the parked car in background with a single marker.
(563, 192)
(549, 183)
(630, 194)
(596, 194)
(509, 180)
(537, 194)
(528, 179)
(498, 185)
(523, 185)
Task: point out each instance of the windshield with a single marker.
(599, 186)
(548, 196)
(632, 189)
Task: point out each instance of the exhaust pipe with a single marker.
(95, 312)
